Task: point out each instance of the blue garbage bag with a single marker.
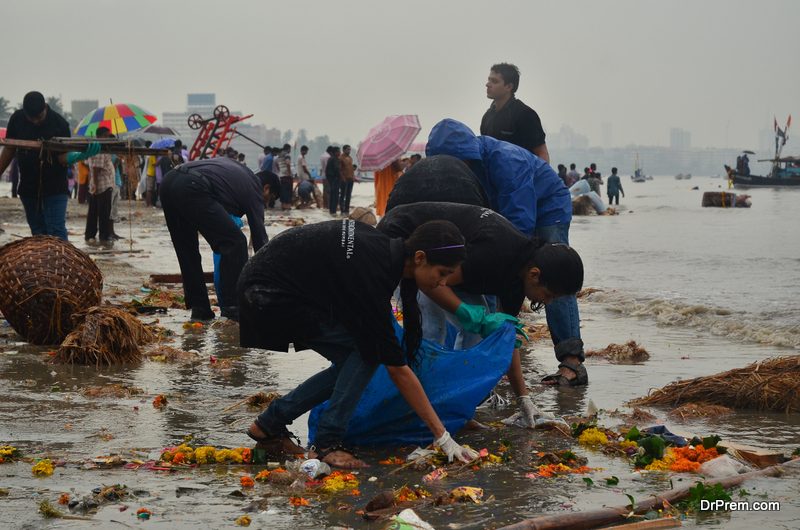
(661, 430)
(456, 382)
(217, 257)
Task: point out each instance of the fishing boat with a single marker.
(785, 171)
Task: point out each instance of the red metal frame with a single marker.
(216, 134)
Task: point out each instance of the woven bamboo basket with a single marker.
(43, 281)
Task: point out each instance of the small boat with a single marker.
(638, 172)
(785, 172)
(682, 176)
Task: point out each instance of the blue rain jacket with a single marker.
(521, 187)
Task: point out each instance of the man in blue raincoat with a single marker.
(528, 192)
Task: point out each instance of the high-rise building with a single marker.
(680, 139)
(80, 108)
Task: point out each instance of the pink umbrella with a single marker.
(417, 147)
(2, 132)
(387, 141)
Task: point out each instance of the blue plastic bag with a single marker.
(217, 257)
(456, 382)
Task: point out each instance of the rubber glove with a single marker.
(493, 321)
(529, 411)
(520, 327)
(91, 150)
(452, 449)
(471, 317)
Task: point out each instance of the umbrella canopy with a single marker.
(163, 143)
(417, 147)
(119, 118)
(2, 132)
(387, 141)
(748, 152)
(160, 130)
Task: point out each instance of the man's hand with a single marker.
(91, 150)
(452, 449)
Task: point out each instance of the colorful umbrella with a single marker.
(119, 118)
(387, 141)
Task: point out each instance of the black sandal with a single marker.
(322, 453)
(581, 376)
(275, 445)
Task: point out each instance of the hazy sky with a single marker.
(718, 68)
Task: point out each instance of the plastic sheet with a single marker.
(456, 381)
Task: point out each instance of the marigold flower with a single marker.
(43, 468)
(298, 501)
(593, 436)
(247, 481)
(63, 499)
(243, 521)
(262, 476)
(205, 454)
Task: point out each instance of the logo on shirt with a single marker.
(486, 212)
(348, 237)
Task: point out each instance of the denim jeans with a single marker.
(562, 313)
(47, 217)
(435, 320)
(341, 384)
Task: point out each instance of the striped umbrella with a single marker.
(118, 118)
(387, 141)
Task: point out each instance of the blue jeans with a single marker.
(435, 320)
(341, 384)
(562, 313)
(47, 217)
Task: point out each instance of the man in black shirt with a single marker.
(508, 118)
(43, 185)
(197, 197)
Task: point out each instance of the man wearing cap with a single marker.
(43, 185)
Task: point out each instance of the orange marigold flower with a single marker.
(179, 458)
(247, 481)
(247, 455)
(262, 475)
(64, 498)
(298, 501)
(355, 493)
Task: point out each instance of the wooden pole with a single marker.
(112, 145)
(617, 514)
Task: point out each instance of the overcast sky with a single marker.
(720, 69)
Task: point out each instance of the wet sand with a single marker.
(43, 412)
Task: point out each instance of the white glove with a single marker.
(529, 411)
(452, 449)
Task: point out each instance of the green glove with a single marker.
(520, 331)
(471, 317)
(92, 149)
(493, 321)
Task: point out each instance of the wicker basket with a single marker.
(43, 281)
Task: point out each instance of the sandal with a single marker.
(322, 453)
(581, 376)
(278, 446)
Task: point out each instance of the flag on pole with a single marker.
(775, 124)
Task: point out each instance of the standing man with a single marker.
(43, 187)
(572, 175)
(323, 165)
(302, 165)
(333, 175)
(614, 187)
(285, 174)
(101, 195)
(200, 196)
(348, 176)
(508, 118)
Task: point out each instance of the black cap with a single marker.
(33, 104)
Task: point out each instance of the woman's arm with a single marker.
(410, 388)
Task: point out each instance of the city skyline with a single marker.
(642, 67)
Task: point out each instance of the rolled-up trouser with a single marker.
(562, 313)
(190, 207)
(341, 384)
(435, 320)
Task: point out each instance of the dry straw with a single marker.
(106, 335)
(43, 282)
(772, 384)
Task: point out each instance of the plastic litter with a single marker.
(721, 467)
(407, 520)
(315, 468)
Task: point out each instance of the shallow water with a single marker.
(703, 290)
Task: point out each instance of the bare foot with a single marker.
(475, 425)
(341, 459)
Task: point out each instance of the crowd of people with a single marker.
(467, 234)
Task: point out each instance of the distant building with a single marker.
(79, 108)
(202, 104)
(606, 134)
(567, 138)
(680, 139)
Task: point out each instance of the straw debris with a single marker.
(115, 390)
(772, 384)
(698, 410)
(630, 352)
(168, 354)
(107, 336)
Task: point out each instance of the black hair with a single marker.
(287, 147)
(304, 147)
(443, 244)
(614, 170)
(178, 144)
(572, 165)
(268, 178)
(345, 146)
(509, 73)
(592, 166)
(33, 104)
(560, 267)
(267, 150)
(276, 150)
(102, 130)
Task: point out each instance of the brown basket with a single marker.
(43, 281)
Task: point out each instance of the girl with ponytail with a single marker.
(328, 287)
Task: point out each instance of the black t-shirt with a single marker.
(342, 271)
(440, 178)
(516, 123)
(495, 248)
(51, 178)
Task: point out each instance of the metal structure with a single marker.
(215, 134)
